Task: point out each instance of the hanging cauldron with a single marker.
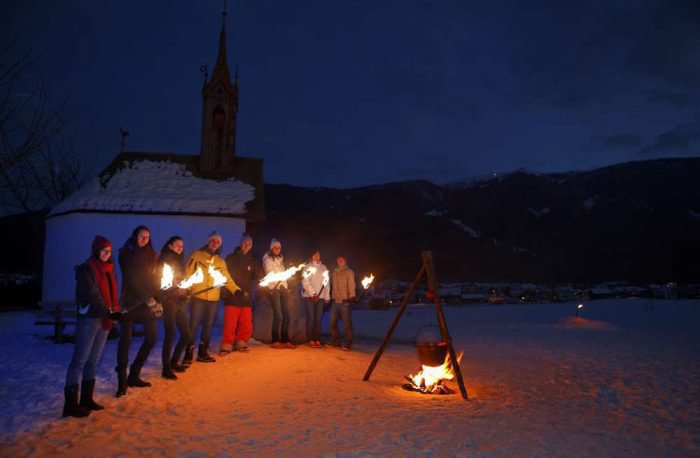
(432, 351)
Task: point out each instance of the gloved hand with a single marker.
(156, 309)
(116, 316)
(239, 295)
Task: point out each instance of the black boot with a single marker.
(176, 367)
(134, 379)
(203, 356)
(121, 381)
(169, 374)
(71, 408)
(189, 355)
(87, 388)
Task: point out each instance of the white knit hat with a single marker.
(275, 243)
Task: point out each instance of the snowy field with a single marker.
(620, 381)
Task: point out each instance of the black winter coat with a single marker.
(87, 293)
(139, 282)
(244, 270)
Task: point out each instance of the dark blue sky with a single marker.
(348, 93)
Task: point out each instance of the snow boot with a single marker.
(189, 355)
(134, 379)
(71, 408)
(169, 374)
(203, 356)
(87, 388)
(121, 381)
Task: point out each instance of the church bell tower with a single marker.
(219, 114)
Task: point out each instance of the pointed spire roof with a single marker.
(221, 68)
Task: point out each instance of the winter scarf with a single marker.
(104, 277)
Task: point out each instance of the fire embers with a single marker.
(431, 379)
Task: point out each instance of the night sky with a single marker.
(349, 93)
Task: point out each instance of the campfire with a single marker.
(431, 379)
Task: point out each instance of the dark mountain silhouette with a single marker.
(637, 221)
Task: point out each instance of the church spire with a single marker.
(221, 67)
(219, 115)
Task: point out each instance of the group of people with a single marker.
(142, 299)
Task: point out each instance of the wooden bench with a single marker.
(58, 314)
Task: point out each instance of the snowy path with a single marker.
(618, 384)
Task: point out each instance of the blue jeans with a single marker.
(280, 313)
(202, 312)
(341, 310)
(314, 313)
(90, 340)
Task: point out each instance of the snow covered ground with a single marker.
(619, 381)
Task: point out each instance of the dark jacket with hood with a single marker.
(95, 285)
(139, 266)
(244, 270)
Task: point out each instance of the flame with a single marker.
(218, 277)
(166, 280)
(580, 306)
(325, 278)
(367, 281)
(273, 278)
(308, 272)
(194, 279)
(429, 378)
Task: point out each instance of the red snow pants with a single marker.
(238, 324)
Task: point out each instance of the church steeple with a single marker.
(219, 114)
(221, 67)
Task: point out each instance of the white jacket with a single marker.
(274, 264)
(314, 283)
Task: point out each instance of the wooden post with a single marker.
(444, 332)
(429, 268)
(395, 323)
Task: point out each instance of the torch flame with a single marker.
(580, 306)
(429, 378)
(367, 281)
(218, 277)
(308, 272)
(194, 279)
(325, 278)
(274, 278)
(166, 280)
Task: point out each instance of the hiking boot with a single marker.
(189, 355)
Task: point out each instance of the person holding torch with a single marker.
(205, 301)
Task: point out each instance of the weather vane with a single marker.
(124, 134)
(203, 69)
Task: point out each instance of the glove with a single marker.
(239, 295)
(156, 309)
(116, 316)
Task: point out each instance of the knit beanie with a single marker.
(246, 238)
(99, 244)
(214, 235)
(275, 243)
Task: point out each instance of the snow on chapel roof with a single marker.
(167, 184)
